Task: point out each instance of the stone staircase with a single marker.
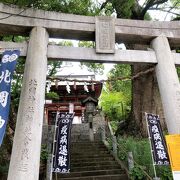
(92, 161)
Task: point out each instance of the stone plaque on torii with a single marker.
(105, 35)
(41, 25)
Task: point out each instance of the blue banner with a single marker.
(7, 66)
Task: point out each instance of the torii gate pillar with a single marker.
(168, 83)
(25, 156)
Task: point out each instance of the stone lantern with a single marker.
(90, 104)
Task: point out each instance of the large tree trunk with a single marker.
(145, 98)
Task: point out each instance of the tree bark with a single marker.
(145, 97)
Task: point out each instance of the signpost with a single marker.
(173, 144)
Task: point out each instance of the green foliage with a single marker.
(66, 43)
(175, 4)
(4, 168)
(123, 8)
(147, 17)
(137, 173)
(5, 149)
(80, 7)
(44, 153)
(52, 95)
(178, 50)
(114, 105)
(53, 67)
(121, 70)
(24, 3)
(139, 147)
(88, 44)
(164, 172)
(178, 71)
(142, 156)
(108, 10)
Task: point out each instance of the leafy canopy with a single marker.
(81, 7)
(114, 105)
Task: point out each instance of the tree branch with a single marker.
(169, 11)
(171, 8)
(159, 2)
(104, 4)
(150, 4)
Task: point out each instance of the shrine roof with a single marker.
(78, 90)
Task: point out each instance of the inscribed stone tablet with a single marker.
(105, 35)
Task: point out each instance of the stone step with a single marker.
(88, 142)
(81, 153)
(85, 144)
(74, 145)
(92, 161)
(109, 158)
(85, 156)
(89, 173)
(93, 168)
(80, 134)
(97, 163)
(75, 138)
(100, 177)
(86, 150)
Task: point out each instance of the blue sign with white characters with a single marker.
(7, 66)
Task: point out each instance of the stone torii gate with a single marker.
(41, 25)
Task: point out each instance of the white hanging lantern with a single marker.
(48, 86)
(68, 89)
(86, 87)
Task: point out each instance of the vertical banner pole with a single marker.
(55, 128)
(154, 168)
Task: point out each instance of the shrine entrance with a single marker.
(105, 31)
(75, 100)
